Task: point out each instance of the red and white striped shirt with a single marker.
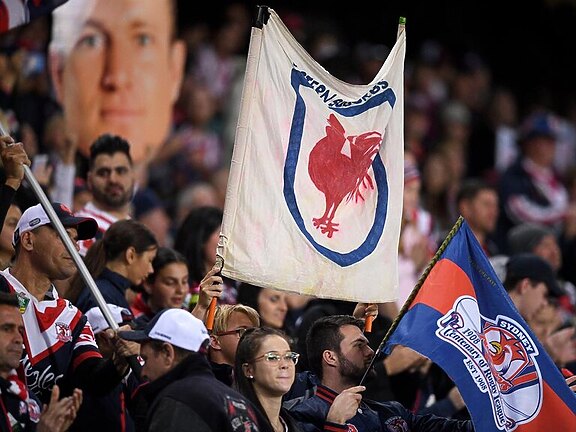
(104, 220)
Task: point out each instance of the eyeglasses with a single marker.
(274, 357)
(239, 331)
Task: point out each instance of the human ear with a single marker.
(330, 358)
(177, 59)
(27, 241)
(130, 255)
(56, 69)
(168, 354)
(248, 370)
(215, 343)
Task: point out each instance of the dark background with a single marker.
(528, 45)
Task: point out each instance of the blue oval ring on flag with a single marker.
(372, 239)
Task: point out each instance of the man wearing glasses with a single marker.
(183, 393)
(230, 323)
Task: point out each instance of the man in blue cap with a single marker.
(530, 190)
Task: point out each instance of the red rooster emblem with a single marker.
(338, 166)
(506, 354)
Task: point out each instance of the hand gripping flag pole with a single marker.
(88, 280)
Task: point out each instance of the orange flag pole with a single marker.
(211, 313)
(368, 324)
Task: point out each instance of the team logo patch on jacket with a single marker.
(63, 333)
(396, 424)
(241, 416)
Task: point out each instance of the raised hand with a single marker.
(345, 405)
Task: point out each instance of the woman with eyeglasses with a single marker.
(264, 371)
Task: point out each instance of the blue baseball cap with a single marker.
(542, 124)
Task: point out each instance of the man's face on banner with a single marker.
(116, 69)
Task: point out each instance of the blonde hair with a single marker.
(223, 313)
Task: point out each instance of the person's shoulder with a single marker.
(4, 285)
(303, 387)
(103, 218)
(513, 170)
(304, 404)
(196, 385)
(391, 407)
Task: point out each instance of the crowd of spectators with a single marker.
(471, 149)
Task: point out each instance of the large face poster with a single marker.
(113, 67)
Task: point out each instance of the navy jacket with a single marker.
(371, 416)
(189, 397)
(113, 288)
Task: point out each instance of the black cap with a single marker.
(533, 267)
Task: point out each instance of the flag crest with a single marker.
(314, 196)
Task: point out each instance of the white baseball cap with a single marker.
(176, 326)
(98, 322)
(35, 216)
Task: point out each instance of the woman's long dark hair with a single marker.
(248, 295)
(117, 239)
(164, 257)
(193, 234)
(249, 344)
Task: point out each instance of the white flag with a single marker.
(314, 196)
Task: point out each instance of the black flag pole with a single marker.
(262, 16)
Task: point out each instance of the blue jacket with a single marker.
(371, 417)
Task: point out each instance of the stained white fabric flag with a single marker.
(314, 196)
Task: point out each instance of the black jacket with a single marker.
(223, 372)
(108, 412)
(371, 416)
(189, 395)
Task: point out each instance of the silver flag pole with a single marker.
(132, 361)
(45, 202)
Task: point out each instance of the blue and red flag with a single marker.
(464, 321)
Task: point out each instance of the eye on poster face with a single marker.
(113, 67)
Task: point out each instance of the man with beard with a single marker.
(338, 353)
(111, 180)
